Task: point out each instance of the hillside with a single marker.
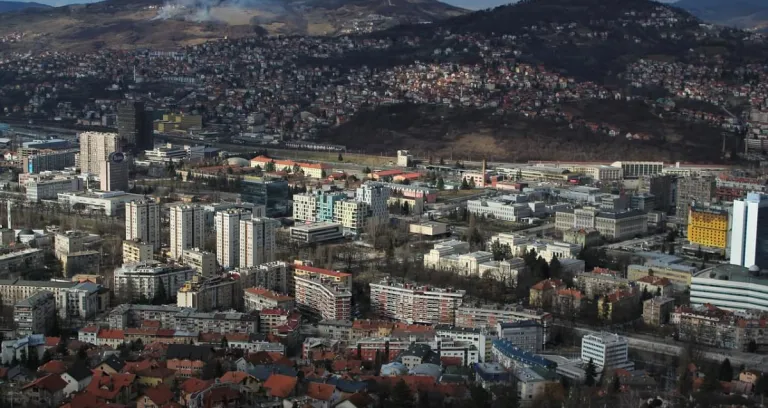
(6, 6)
(748, 14)
(159, 24)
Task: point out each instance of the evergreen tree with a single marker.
(161, 297)
(616, 383)
(33, 360)
(401, 396)
(224, 343)
(464, 184)
(505, 396)
(726, 371)
(82, 353)
(590, 374)
(480, 397)
(472, 184)
(341, 158)
(555, 268)
(440, 184)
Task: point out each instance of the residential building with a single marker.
(256, 299)
(700, 190)
(142, 222)
(13, 291)
(137, 251)
(212, 293)
(73, 241)
(113, 173)
(542, 294)
(415, 304)
(129, 315)
(25, 345)
(678, 274)
(510, 356)
(352, 215)
(81, 302)
(85, 262)
(46, 391)
(375, 195)
(187, 229)
(323, 292)
(35, 314)
(257, 241)
(216, 322)
(749, 235)
(25, 258)
(567, 302)
(527, 335)
(203, 262)
(599, 282)
(534, 382)
(487, 316)
(606, 350)
(275, 276)
(730, 287)
(655, 285)
(95, 149)
(618, 305)
(708, 226)
(143, 279)
(711, 326)
(48, 160)
(228, 236)
(479, 339)
(657, 309)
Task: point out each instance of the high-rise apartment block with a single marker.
(227, 225)
(187, 229)
(324, 293)
(700, 190)
(257, 241)
(35, 314)
(142, 222)
(134, 125)
(749, 233)
(95, 148)
(412, 303)
(664, 190)
(376, 196)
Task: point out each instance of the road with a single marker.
(672, 348)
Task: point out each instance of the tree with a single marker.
(442, 162)
(590, 374)
(464, 184)
(224, 342)
(270, 166)
(616, 383)
(33, 360)
(367, 170)
(82, 353)
(401, 396)
(440, 184)
(505, 396)
(726, 371)
(555, 268)
(480, 397)
(47, 356)
(472, 184)
(161, 296)
(341, 158)
(752, 346)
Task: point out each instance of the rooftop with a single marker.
(736, 273)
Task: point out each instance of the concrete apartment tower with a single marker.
(227, 224)
(187, 229)
(95, 148)
(749, 231)
(142, 222)
(257, 241)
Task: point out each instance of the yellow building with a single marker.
(180, 121)
(708, 227)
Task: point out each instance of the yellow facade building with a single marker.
(708, 227)
(180, 121)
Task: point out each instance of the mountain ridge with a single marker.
(7, 6)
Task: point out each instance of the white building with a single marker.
(480, 339)
(257, 299)
(142, 222)
(203, 262)
(324, 293)
(80, 302)
(375, 195)
(606, 350)
(136, 251)
(95, 148)
(273, 275)
(415, 304)
(206, 294)
(110, 203)
(187, 229)
(38, 190)
(731, 287)
(134, 281)
(749, 232)
(227, 224)
(257, 241)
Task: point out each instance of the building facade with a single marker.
(143, 279)
(187, 229)
(415, 304)
(203, 262)
(749, 235)
(142, 222)
(323, 292)
(257, 241)
(35, 314)
(606, 350)
(95, 148)
(227, 224)
(708, 227)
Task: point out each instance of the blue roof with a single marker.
(507, 348)
(347, 385)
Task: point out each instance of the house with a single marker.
(543, 293)
(188, 360)
(116, 387)
(249, 385)
(155, 375)
(157, 397)
(357, 400)
(53, 367)
(111, 365)
(280, 386)
(77, 378)
(322, 395)
(191, 386)
(46, 391)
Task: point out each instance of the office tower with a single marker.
(113, 173)
(134, 125)
(749, 231)
(95, 148)
(257, 241)
(187, 229)
(142, 222)
(693, 189)
(227, 224)
(376, 196)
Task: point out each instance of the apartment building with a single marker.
(323, 292)
(275, 276)
(49, 160)
(700, 190)
(656, 310)
(257, 241)
(137, 251)
(13, 291)
(81, 303)
(599, 282)
(479, 339)
(527, 335)
(187, 229)
(212, 293)
(25, 258)
(142, 222)
(216, 322)
(488, 316)
(129, 315)
(35, 314)
(203, 262)
(352, 215)
(84, 262)
(95, 148)
(73, 241)
(375, 195)
(412, 303)
(256, 299)
(227, 225)
(143, 279)
(606, 350)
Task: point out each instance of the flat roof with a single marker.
(736, 273)
(316, 226)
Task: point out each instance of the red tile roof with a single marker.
(159, 395)
(51, 383)
(193, 385)
(108, 386)
(264, 292)
(90, 329)
(53, 367)
(234, 377)
(52, 341)
(322, 271)
(548, 284)
(112, 334)
(319, 391)
(655, 280)
(280, 386)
